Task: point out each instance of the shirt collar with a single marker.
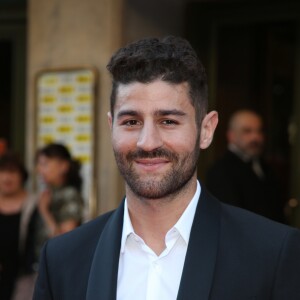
(244, 157)
(183, 225)
(127, 226)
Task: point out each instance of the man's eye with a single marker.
(169, 122)
(131, 123)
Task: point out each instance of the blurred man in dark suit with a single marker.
(242, 177)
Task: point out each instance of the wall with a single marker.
(153, 18)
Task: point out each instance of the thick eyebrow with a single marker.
(122, 113)
(169, 112)
(157, 113)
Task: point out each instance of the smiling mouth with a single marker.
(152, 161)
(151, 164)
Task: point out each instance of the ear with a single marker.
(208, 127)
(110, 120)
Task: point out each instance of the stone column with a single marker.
(68, 33)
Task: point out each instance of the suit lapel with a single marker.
(198, 271)
(102, 282)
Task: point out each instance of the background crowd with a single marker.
(28, 219)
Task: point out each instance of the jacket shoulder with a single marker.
(254, 230)
(83, 237)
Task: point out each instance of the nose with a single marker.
(149, 138)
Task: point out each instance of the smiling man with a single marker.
(169, 239)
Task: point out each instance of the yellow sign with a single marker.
(65, 114)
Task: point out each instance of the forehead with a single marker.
(46, 159)
(157, 94)
(248, 120)
(11, 170)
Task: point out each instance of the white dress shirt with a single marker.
(142, 274)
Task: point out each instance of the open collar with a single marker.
(197, 276)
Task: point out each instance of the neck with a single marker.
(153, 218)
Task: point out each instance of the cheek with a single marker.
(53, 168)
(17, 181)
(261, 138)
(124, 142)
(121, 147)
(55, 172)
(185, 142)
(46, 172)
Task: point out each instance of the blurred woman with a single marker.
(60, 205)
(13, 199)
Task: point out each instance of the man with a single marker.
(169, 239)
(241, 177)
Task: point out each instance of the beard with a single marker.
(151, 186)
(254, 149)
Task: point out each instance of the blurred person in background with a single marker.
(59, 209)
(242, 177)
(60, 205)
(14, 204)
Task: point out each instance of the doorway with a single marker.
(249, 51)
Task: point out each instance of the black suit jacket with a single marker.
(232, 255)
(233, 181)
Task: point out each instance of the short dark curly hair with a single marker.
(171, 59)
